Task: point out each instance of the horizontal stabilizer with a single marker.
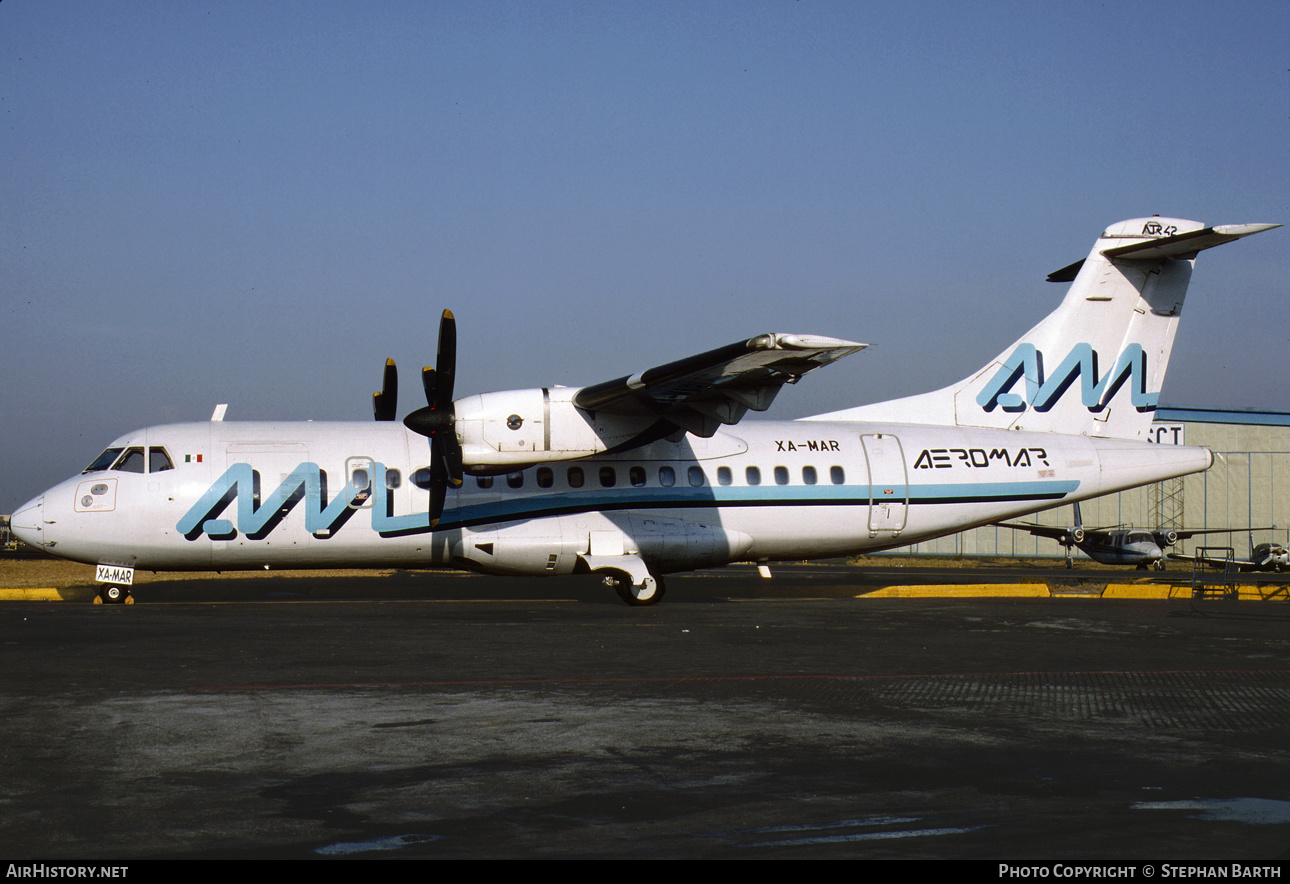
(1182, 245)
(1186, 245)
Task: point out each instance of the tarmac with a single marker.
(411, 715)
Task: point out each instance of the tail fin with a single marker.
(1095, 365)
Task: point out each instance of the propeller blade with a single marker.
(438, 484)
(437, 420)
(446, 361)
(428, 384)
(386, 402)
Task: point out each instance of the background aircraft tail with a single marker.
(1095, 365)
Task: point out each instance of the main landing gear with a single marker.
(649, 591)
(627, 574)
(111, 594)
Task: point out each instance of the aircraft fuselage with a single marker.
(1123, 548)
(235, 495)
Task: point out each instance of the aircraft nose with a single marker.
(26, 522)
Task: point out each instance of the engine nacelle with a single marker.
(511, 429)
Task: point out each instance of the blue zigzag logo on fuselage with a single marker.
(1042, 393)
(306, 482)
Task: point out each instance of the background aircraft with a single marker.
(644, 475)
(1117, 544)
(1263, 557)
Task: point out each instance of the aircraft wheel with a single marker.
(650, 592)
(111, 594)
(1160, 564)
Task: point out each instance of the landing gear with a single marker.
(111, 594)
(648, 592)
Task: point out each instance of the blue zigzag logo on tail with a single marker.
(1081, 362)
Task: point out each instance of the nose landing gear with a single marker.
(111, 594)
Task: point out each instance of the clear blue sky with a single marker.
(257, 203)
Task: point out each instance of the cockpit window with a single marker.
(131, 461)
(103, 461)
(158, 460)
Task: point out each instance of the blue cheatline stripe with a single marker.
(305, 486)
(708, 497)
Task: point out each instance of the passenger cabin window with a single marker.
(608, 478)
(666, 476)
(361, 480)
(752, 476)
(576, 477)
(808, 475)
(393, 479)
(724, 476)
(545, 477)
(636, 475)
(781, 475)
(694, 475)
(516, 479)
(484, 481)
(837, 475)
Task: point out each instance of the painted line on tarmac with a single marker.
(41, 594)
(961, 590)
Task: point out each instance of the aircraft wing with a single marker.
(1053, 531)
(1239, 564)
(1056, 532)
(699, 393)
(1184, 533)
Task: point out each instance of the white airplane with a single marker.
(1118, 544)
(1263, 557)
(635, 478)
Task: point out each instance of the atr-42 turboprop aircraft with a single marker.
(635, 478)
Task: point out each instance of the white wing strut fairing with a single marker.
(643, 476)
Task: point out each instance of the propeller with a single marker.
(385, 403)
(437, 421)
